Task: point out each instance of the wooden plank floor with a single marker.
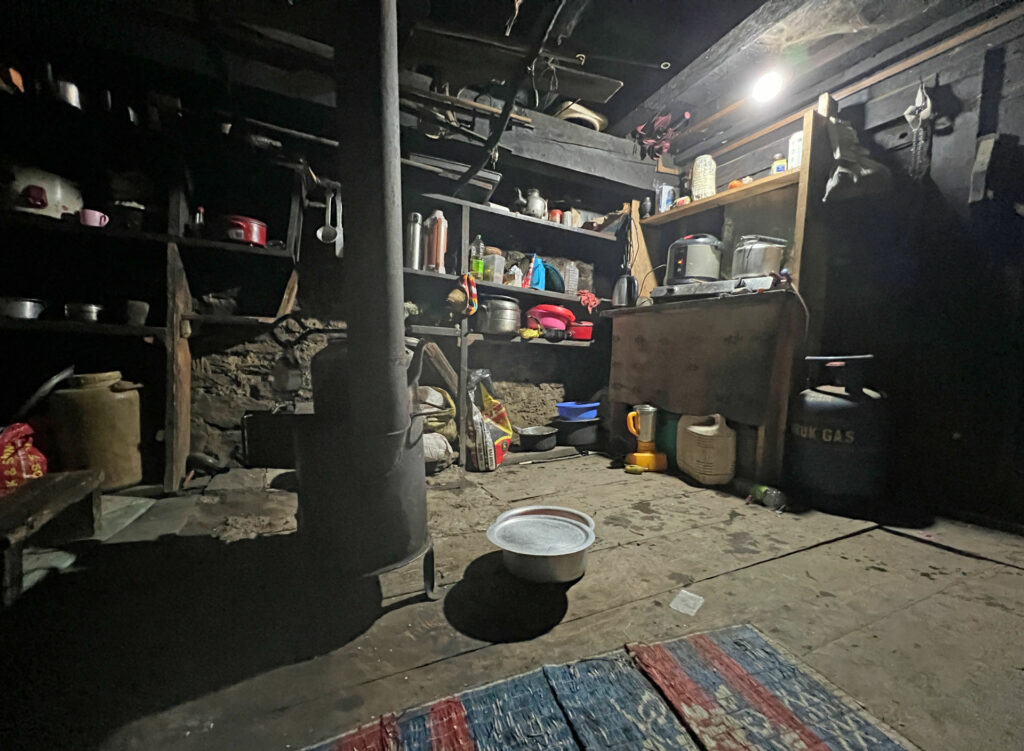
(260, 651)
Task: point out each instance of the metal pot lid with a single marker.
(540, 535)
(537, 430)
(561, 511)
(499, 298)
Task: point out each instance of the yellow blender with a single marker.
(641, 423)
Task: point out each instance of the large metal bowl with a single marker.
(23, 308)
(543, 547)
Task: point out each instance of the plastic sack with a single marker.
(438, 410)
(20, 461)
(489, 431)
(437, 452)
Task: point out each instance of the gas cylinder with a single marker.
(836, 446)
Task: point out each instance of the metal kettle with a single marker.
(626, 290)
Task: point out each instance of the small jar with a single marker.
(778, 163)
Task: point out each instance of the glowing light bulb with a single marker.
(767, 87)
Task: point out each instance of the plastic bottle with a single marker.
(437, 242)
(476, 258)
(796, 150)
(572, 278)
(778, 163)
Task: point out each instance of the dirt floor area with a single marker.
(168, 637)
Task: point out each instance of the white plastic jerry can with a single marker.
(706, 448)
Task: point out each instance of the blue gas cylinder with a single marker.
(837, 441)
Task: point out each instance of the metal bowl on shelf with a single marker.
(82, 311)
(21, 308)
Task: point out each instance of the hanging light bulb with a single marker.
(767, 87)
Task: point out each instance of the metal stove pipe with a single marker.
(362, 494)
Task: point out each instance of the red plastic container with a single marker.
(245, 229)
(581, 331)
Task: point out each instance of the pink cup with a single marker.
(93, 218)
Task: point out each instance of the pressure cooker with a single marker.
(694, 258)
(758, 255)
(497, 315)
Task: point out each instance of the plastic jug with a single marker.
(706, 449)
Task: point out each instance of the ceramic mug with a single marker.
(93, 218)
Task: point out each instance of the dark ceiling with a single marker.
(644, 31)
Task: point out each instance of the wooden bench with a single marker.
(65, 503)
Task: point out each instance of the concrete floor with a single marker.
(188, 643)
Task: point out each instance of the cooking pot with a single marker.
(243, 229)
(757, 255)
(497, 315)
(36, 191)
(82, 311)
(24, 308)
(576, 432)
(537, 438)
(694, 258)
(547, 547)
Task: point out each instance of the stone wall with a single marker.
(231, 376)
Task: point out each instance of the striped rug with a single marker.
(726, 690)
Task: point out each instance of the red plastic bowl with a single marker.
(581, 331)
(549, 316)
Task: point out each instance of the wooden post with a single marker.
(178, 412)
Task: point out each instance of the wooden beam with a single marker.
(871, 70)
(733, 50)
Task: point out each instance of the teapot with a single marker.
(533, 205)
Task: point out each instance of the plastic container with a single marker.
(96, 422)
(577, 410)
(435, 238)
(706, 449)
(476, 258)
(572, 279)
(796, 149)
(581, 331)
(665, 437)
(702, 179)
(550, 317)
(494, 268)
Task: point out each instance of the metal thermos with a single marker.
(414, 241)
(645, 425)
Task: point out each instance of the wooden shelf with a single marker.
(80, 327)
(733, 195)
(46, 224)
(521, 218)
(225, 320)
(416, 329)
(493, 288)
(490, 339)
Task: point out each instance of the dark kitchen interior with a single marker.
(512, 374)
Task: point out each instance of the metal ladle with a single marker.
(328, 233)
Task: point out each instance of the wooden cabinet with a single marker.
(734, 354)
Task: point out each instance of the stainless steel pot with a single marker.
(757, 255)
(24, 308)
(82, 311)
(497, 315)
(543, 546)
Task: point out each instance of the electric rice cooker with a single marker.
(36, 191)
(694, 258)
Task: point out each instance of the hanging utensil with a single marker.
(327, 234)
(339, 234)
